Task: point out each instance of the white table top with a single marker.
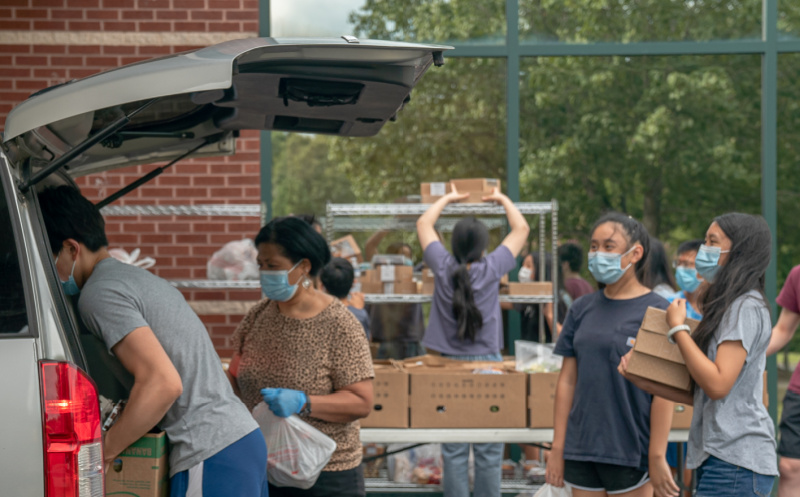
(472, 435)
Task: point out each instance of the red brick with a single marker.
(103, 62)
(174, 180)
(213, 318)
(253, 170)
(49, 25)
(124, 61)
(173, 249)
(171, 15)
(31, 60)
(122, 238)
(203, 250)
(6, 84)
(140, 227)
(191, 192)
(21, 25)
(50, 49)
(31, 13)
(153, 4)
(83, 49)
(84, 25)
(81, 73)
(224, 4)
(33, 85)
(194, 262)
(234, 193)
(207, 180)
(118, 50)
(188, 4)
(224, 353)
(224, 330)
(14, 96)
(15, 49)
(182, 227)
(137, 14)
(48, 3)
(157, 238)
(192, 238)
(222, 238)
(190, 26)
(154, 50)
(224, 26)
(219, 342)
(119, 4)
(226, 169)
(52, 72)
(66, 13)
(119, 26)
(251, 5)
(16, 3)
(252, 192)
(154, 26)
(244, 294)
(66, 60)
(251, 27)
(210, 227)
(6, 60)
(208, 295)
(174, 273)
(154, 192)
(83, 4)
(244, 227)
(238, 15)
(207, 15)
(102, 14)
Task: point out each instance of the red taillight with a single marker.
(72, 437)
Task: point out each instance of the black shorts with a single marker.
(789, 445)
(599, 477)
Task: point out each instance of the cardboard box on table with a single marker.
(446, 393)
(476, 187)
(390, 396)
(541, 399)
(347, 248)
(654, 358)
(682, 416)
(142, 470)
(534, 288)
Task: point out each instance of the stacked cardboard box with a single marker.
(541, 399)
(535, 288)
(427, 282)
(655, 358)
(142, 469)
(347, 248)
(431, 192)
(390, 396)
(388, 279)
(476, 187)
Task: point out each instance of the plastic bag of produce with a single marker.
(235, 261)
(532, 357)
(550, 491)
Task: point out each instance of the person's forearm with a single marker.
(516, 221)
(779, 339)
(429, 217)
(660, 422)
(703, 370)
(339, 407)
(565, 395)
(149, 401)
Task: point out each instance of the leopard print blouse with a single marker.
(318, 355)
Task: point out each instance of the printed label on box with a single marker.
(387, 273)
(438, 189)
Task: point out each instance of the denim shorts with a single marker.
(480, 357)
(717, 478)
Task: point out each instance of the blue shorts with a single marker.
(239, 469)
(717, 478)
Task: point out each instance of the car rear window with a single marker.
(13, 315)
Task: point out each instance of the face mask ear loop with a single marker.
(623, 255)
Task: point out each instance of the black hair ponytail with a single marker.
(470, 238)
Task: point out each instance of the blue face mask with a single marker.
(275, 285)
(707, 261)
(687, 278)
(70, 286)
(607, 267)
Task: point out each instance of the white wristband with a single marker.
(680, 327)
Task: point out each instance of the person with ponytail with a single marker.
(732, 438)
(609, 437)
(465, 321)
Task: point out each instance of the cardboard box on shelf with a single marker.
(390, 396)
(431, 192)
(371, 287)
(427, 288)
(370, 275)
(476, 187)
(541, 399)
(427, 275)
(395, 273)
(682, 417)
(405, 287)
(533, 288)
(654, 357)
(346, 247)
(450, 395)
(142, 470)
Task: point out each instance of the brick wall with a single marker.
(47, 42)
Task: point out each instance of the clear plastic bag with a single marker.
(296, 451)
(548, 490)
(235, 261)
(532, 357)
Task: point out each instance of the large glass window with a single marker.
(672, 140)
(13, 314)
(442, 21)
(585, 21)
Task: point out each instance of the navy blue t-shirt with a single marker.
(610, 417)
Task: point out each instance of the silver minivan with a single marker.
(191, 104)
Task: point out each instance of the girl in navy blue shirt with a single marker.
(610, 437)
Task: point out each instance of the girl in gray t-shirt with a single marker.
(732, 437)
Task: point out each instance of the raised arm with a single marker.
(371, 247)
(520, 230)
(426, 222)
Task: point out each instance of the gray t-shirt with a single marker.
(207, 417)
(737, 429)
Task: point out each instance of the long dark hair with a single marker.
(470, 239)
(657, 269)
(297, 240)
(751, 247)
(633, 231)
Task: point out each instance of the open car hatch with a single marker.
(195, 102)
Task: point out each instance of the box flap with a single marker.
(657, 345)
(655, 320)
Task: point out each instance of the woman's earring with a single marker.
(306, 283)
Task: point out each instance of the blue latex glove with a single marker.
(284, 402)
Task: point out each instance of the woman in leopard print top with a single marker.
(309, 351)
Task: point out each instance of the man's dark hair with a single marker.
(311, 219)
(297, 240)
(690, 246)
(337, 277)
(572, 254)
(68, 214)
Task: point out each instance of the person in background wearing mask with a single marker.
(337, 279)
(610, 437)
(656, 274)
(302, 352)
(782, 333)
(570, 255)
(687, 278)
(179, 385)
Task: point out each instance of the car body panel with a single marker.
(205, 96)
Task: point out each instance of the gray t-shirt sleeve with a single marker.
(111, 312)
(740, 322)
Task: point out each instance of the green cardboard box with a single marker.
(142, 470)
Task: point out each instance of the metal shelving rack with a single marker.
(403, 217)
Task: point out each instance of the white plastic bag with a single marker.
(122, 255)
(548, 490)
(235, 261)
(532, 357)
(296, 451)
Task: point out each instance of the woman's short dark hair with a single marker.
(745, 269)
(572, 254)
(633, 231)
(469, 241)
(689, 246)
(68, 214)
(337, 277)
(297, 240)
